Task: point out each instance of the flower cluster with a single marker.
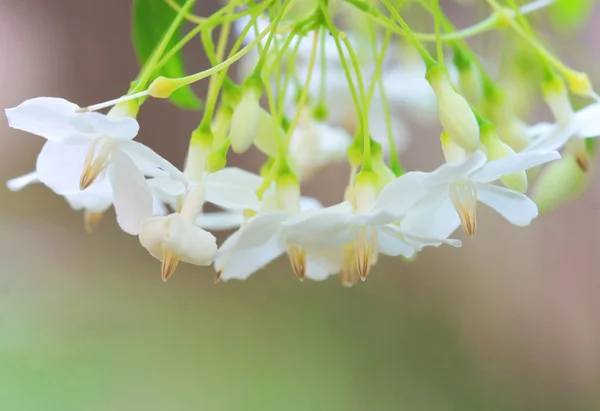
(312, 95)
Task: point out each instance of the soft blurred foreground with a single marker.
(508, 322)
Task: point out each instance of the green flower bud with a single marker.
(456, 116)
(266, 139)
(561, 181)
(497, 149)
(245, 121)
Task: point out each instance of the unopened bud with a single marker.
(561, 181)
(452, 151)
(266, 139)
(497, 149)
(557, 97)
(245, 122)
(162, 87)
(456, 116)
(469, 77)
(579, 83)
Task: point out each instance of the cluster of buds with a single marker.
(312, 95)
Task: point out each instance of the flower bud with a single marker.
(469, 77)
(561, 181)
(266, 135)
(557, 98)
(128, 108)
(497, 149)
(452, 151)
(245, 121)
(200, 148)
(221, 123)
(384, 174)
(162, 87)
(288, 192)
(456, 116)
(579, 83)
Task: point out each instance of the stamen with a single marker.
(297, 257)
(91, 221)
(111, 103)
(95, 164)
(365, 248)
(169, 264)
(463, 194)
(348, 274)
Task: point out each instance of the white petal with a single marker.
(513, 164)
(191, 244)
(539, 129)
(327, 226)
(220, 220)
(401, 194)
(234, 189)
(449, 172)
(309, 204)
(59, 166)
(145, 159)
(554, 139)
(131, 194)
(514, 206)
(240, 264)
(101, 125)
(419, 241)
(320, 265)
(260, 228)
(47, 117)
(588, 121)
(434, 216)
(97, 198)
(391, 242)
(19, 183)
(152, 234)
(166, 186)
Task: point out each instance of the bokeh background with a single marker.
(508, 322)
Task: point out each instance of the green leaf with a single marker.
(151, 20)
(570, 14)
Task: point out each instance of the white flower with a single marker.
(94, 200)
(448, 196)
(262, 239)
(182, 236)
(176, 237)
(83, 148)
(363, 229)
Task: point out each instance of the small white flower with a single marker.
(262, 239)
(448, 196)
(363, 229)
(83, 148)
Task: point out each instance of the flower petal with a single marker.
(239, 264)
(449, 172)
(47, 117)
(97, 198)
(101, 125)
(19, 183)
(152, 234)
(59, 166)
(131, 194)
(233, 188)
(434, 216)
(391, 242)
(517, 208)
(401, 194)
(147, 160)
(327, 226)
(260, 229)
(191, 244)
(512, 164)
(588, 121)
(323, 263)
(220, 220)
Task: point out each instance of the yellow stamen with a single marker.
(91, 221)
(463, 194)
(96, 163)
(349, 275)
(169, 264)
(366, 250)
(297, 257)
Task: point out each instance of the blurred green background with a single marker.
(508, 322)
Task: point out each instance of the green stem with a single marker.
(151, 63)
(263, 55)
(429, 61)
(438, 34)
